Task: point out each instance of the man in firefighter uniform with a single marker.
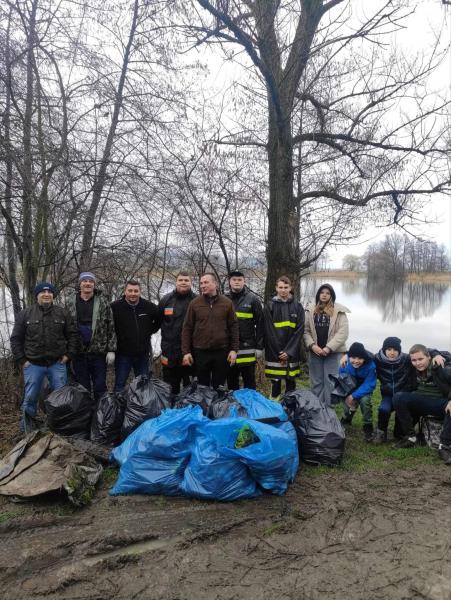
(249, 313)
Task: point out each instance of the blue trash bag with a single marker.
(142, 474)
(153, 458)
(168, 436)
(211, 472)
(273, 461)
(258, 407)
(220, 470)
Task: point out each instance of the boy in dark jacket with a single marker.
(283, 319)
(363, 369)
(393, 371)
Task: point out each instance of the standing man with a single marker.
(43, 340)
(284, 327)
(92, 314)
(431, 395)
(249, 313)
(135, 319)
(173, 309)
(210, 337)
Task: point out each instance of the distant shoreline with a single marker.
(419, 277)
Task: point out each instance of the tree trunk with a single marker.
(282, 250)
(9, 233)
(99, 183)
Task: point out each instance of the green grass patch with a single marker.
(9, 514)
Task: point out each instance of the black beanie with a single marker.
(328, 287)
(357, 350)
(392, 342)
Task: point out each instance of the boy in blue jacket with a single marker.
(363, 369)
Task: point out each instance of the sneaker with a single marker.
(368, 434)
(380, 437)
(406, 442)
(445, 453)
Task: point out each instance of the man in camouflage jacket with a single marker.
(92, 314)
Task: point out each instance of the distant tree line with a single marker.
(397, 255)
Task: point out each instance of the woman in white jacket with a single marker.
(325, 335)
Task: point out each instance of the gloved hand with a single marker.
(110, 358)
(259, 354)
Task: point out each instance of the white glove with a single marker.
(110, 358)
(258, 354)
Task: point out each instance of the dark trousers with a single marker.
(383, 416)
(247, 373)
(90, 372)
(123, 364)
(211, 367)
(276, 386)
(176, 375)
(410, 406)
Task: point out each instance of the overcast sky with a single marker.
(429, 18)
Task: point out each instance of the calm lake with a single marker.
(414, 312)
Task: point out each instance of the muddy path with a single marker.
(335, 536)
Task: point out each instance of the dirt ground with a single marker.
(335, 535)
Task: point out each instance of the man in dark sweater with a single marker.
(431, 395)
(135, 319)
(173, 309)
(210, 337)
(43, 340)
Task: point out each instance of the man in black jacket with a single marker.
(135, 319)
(431, 395)
(249, 313)
(43, 340)
(173, 309)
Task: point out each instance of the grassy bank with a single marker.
(444, 277)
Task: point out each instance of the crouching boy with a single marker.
(362, 368)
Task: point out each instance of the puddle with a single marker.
(132, 549)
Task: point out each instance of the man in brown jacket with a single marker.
(210, 336)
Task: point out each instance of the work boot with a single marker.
(29, 423)
(406, 442)
(445, 453)
(368, 433)
(380, 437)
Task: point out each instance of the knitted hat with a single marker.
(87, 275)
(236, 273)
(357, 350)
(392, 342)
(326, 286)
(40, 287)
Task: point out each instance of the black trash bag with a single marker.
(321, 437)
(107, 419)
(226, 406)
(196, 395)
(69, 411)
(342, 386)
(145, 398)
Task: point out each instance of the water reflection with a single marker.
(401, 300)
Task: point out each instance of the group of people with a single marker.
(218, 338)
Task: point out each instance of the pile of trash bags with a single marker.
(222, 445)
(183, 452)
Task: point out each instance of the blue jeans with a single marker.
(124, 364)
(90, 372)
(410, 406)
(34, 376)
